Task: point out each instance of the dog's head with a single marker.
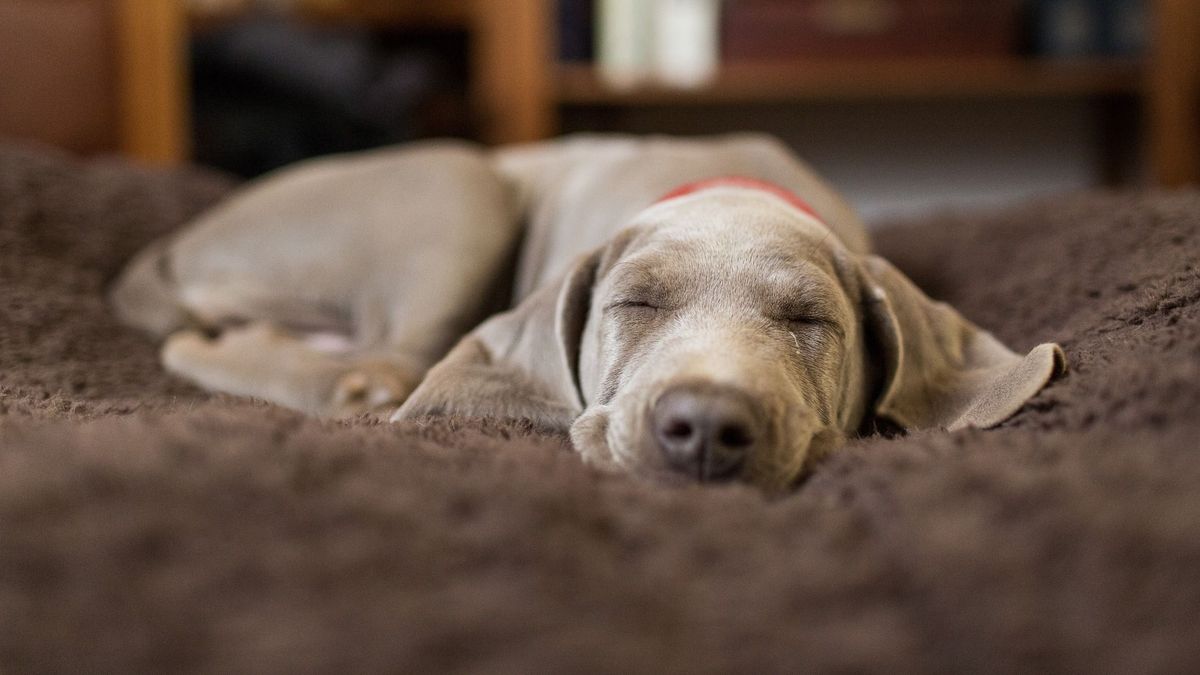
(728, 334)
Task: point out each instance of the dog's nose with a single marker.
(705, 431)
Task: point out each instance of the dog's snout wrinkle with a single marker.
(706, 431)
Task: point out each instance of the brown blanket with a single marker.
(145, 525)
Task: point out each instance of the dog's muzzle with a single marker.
(707, 431)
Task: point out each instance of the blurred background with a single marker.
(906, 105)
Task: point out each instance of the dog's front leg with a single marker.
(260, 360)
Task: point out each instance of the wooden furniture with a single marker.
(95, 76)
(843, 80)
(57, 74)
(1174, 93)
(151, 41)
(1167, 83)
(520, 89)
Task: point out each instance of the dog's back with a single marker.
(576, 192)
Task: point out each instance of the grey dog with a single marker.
(735, 327)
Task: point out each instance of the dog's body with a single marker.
(739, 328)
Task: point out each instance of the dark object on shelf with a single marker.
(1125, 29)
(1065, 28)
(1086, 28)
(576, 34)
(271, 91)
(777, 29)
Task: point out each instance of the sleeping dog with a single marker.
(686, 309)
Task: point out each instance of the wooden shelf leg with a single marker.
(512, 63)
(151, 40)
(1175, 94)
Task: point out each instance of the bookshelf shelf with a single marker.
(375, 13)
(388, 13)
(578, 84)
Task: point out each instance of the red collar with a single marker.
(742, 182)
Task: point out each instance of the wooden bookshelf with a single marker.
(867, 80)
(520, 90)
(1166, 86)
(523, 90)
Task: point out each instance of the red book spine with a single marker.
(778, 29)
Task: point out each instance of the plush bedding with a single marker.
(146, 525)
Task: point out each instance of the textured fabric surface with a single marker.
(145, 525)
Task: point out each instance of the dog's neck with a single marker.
(742, 182)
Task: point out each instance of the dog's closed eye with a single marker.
(805, 316)
(801, 319)
(801, 303)
(632, 304)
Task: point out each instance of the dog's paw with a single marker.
(184, 349)
(377, 388)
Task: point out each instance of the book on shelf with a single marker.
(686, 41)
(671, 42)
(575, 33)
(757, 30)
(1088, 28)
(682, 43)
(623, 42)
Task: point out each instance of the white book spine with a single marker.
(686, 44)
(624, 30)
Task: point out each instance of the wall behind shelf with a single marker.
(907, 158)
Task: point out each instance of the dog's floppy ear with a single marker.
(938, 369)
(520, 365)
